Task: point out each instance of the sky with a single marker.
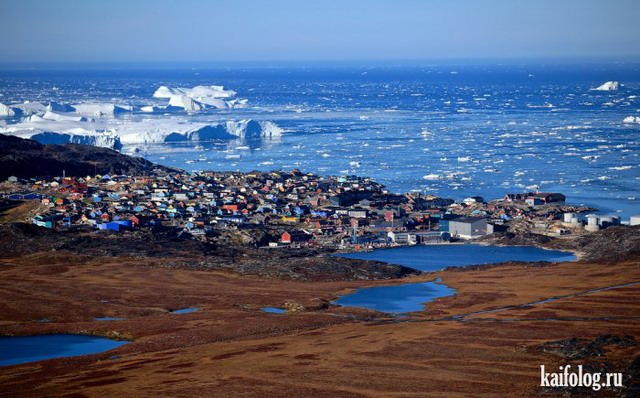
(172, 31)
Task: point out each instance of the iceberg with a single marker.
(100, 110)
(147, 132)
(83, 137)
(71, 137)
(200, 97)
(197, 92)
(631, 120)
(55, 128)
(60, 108)
(49, 115)
(253, 129)
(185, 102)
(5, 111)
(608, 86)
(28, 108)
(167, 92)
(152, 109)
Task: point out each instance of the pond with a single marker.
(23, 349)
(273, 310)
(396, 299)
(185, 310)
(437, 257)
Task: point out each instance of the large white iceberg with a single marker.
(113, 133)
(631, 120)
(100, 123)
(196, 92)
(608, 86)
(200, 97)
(71, 136)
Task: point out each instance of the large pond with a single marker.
(23, 349)
(396, 299)
(411, 297)
(437, 257)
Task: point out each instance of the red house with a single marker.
(295, 237)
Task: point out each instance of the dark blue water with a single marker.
(470, 129)
(437, 257)
(185, 310)
(108, 318)
(396, 299)
(274, 310)
(16, 350)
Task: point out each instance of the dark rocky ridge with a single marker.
(181, 251)
(27, 159)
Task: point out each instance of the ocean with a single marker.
(453, 131)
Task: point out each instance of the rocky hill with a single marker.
(27, 158)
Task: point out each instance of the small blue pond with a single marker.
(273, 310)
(108, 318)
(437, 257)
(23, 349)
(185, 310)
(396, 299)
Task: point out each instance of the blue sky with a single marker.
(95, 31)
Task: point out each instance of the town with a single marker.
(292, 209)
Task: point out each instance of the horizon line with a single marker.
(217, 64)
